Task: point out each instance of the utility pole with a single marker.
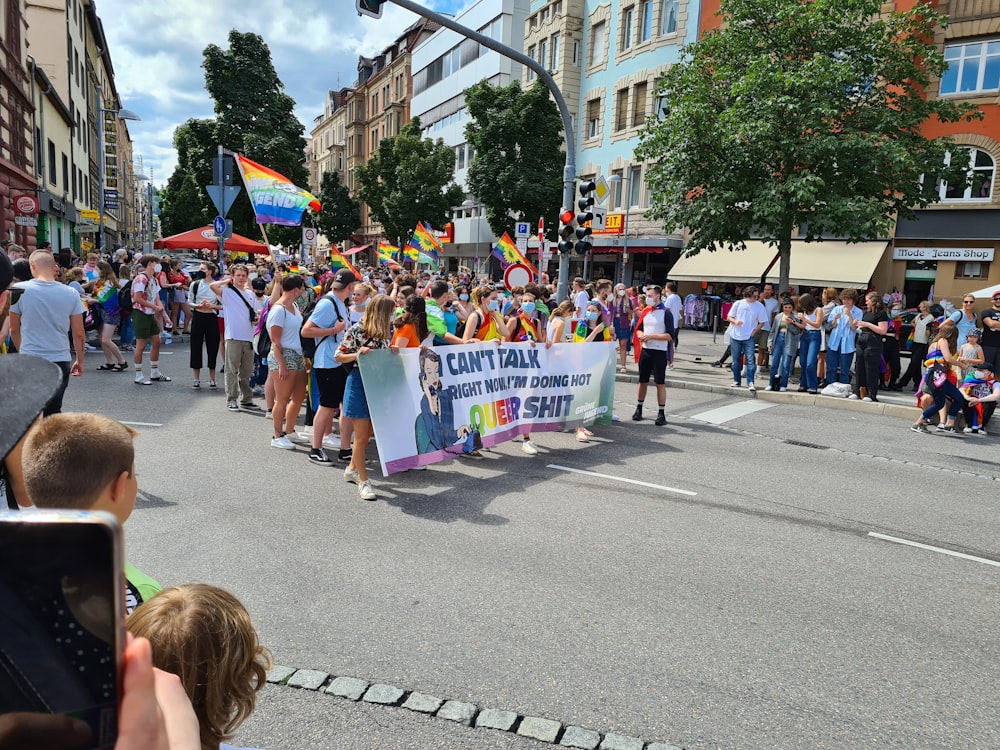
(373, 8)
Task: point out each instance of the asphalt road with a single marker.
(731, 596)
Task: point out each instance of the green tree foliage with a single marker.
(182, 204)
(409, 179)
(800, 114)
(254, 117)
(517, 168)
(340, 216)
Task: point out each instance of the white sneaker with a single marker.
(529, 447)
(298, 438)
(866, 399)
(853, 397)
(366, 491)
(351, 476)
(141, 379)
(751, 386)
(782, 389)
(331, 443)
(734, 385)
(768, 388)
(282, 442)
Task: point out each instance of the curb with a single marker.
(469, 714)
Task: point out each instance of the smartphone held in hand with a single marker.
(62, 617)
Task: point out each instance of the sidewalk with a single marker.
(693, 370)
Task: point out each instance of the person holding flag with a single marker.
(485, 323)
(106, 292)
(527, 326)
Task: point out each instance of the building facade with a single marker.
(16, 114)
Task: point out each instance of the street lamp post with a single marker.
(120, 114)
(626, 183)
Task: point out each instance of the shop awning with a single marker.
(827, 263)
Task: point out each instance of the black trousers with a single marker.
(869, 363)
(204, 331)
(890, 351)
(918, 352)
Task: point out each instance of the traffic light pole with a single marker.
(569, 171)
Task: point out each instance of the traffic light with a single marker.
(371, 8)
(585, 217)
(566, 230)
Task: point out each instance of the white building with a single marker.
(443, 67)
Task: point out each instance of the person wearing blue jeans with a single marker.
(746, 318)
(841, 341)
(783, 342)
(943, 392)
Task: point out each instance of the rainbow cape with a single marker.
(275, 199)
(386, 254)
(337, 260)
(506, 251)
(108, 297)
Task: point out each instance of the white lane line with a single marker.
(907, 542)
(732, 411)
(623, 479)
(142, 424)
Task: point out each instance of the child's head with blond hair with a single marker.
(203, 634)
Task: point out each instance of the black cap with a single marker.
(259, 283)
(344, 277)
(26, 385)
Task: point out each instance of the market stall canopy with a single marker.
(356, 250)
(828, 263)
(986, 292)
(205, 239)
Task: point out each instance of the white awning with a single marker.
(828, 263)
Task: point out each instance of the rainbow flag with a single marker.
(275, 199)
(427, 245)
(313, 390)
(386, 254)
(506, 251)
(337, 260)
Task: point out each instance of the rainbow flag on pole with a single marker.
(386, 254)
(337, 260)
(427, 245)
(506, 252)
(275, 199)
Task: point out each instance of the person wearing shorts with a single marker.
(654, 332)
(326, 325)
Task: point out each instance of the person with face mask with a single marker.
(148, 313)
(485, 323)
(653, 332)
(622, 312)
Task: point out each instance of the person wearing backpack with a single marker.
(324, 328)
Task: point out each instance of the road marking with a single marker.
(732, 411)
(943, 551)
(142, 424)
(623, 479)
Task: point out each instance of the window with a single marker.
(531, 54)
(375, 102)
(576, 53)
(972, 270)
(53, 169)
(593, 118)
(460, 157)
(557, 8)
(554, 53)
(543, 53)
(616, 188)
(668, 17)
(971, 67)
(621, 110)
(646, 19)
(983, 171)
(628, 18)
(598, 40)
(639, 105)
(634, 186)
(65, 172)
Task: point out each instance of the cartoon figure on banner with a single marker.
(435, 425)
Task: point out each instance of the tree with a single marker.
(409, 179)
(183, 204)
(341, 214)
(517, 168)
(800, 114)
(253, 116)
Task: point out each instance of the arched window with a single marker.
(983, 170)
(668, 17)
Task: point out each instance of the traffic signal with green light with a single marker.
(371, 8)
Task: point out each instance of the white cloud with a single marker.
(156, 48)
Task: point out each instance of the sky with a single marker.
(156, 49)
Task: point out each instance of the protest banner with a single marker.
(432, 404)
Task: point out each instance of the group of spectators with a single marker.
(852, 351)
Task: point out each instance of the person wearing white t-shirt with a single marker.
(654, 330)
(238, 304)
(581, 298)
(746, 319)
